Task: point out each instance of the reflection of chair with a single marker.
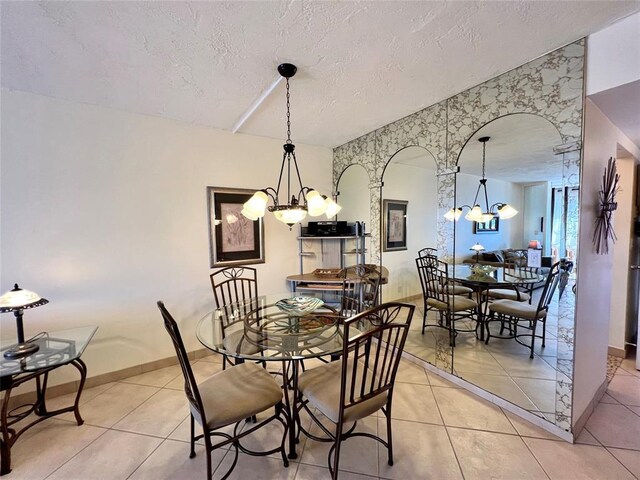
(520, 291)
(233, 289)
(513, 312)
(565, 271)
(441, 295)
(225, 398)
(361, 383)
(360, 288)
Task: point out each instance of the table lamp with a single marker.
(17, 300)
(477, 248)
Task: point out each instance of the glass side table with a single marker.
(57, 349)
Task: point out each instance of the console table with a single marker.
(56, 350)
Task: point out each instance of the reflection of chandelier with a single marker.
(307, 199)
(476, 214)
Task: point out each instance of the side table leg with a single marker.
(80, 365)
(5, 437)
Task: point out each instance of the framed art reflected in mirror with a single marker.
(492, 226)
(233, 238)
(394, 225)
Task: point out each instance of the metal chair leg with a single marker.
(389, 439)
(193, 438)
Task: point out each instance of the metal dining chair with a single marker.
(234, 290)
(226, 398)
(520, 291)
(514, 313)
(361, 382)
(428, 252)
(360, 289)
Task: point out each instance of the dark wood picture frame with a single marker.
(394, 225)
(233, 238)
(492, 226)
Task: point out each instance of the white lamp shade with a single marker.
(291, 215)
(19, 298)
(486, 217)
(453, 214)
(256, 206)
(246, 214)
(475, 214)
(315, 204)
(477, 248)
(507, 211)
(332, 208)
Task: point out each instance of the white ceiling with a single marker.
(621, 105)
(361, 64)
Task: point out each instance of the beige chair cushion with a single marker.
(516, 309)
(457, 303)
(321, 386)
(457, 290)
(236, 393)
(238, 343)
(508, 294)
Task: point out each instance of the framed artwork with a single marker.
(233, 238)
(394, 225)
(492, 226)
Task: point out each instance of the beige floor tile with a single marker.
(541, 392)
(629, 458)
(606, 398)
(414, 403)
(171, 461)
(484, 455)
(528, 429)
(47, 446)
(156, 378)
(310, 472)
(411, 373)
(438, 381)
(111, 406)
(357, 455)
(115, 455)
(523, 366)
(183, 431)
(502, 386)
(563, 461)
(585, 438)
(625, 389)
(473, 361)
(159, 415)
(202, 370)
(629, 366)
(635, 410)
(268, 436)
(419, 451)
(211, 357)
(615, 426)
(67, 400)
(460, 408)
(255, 468)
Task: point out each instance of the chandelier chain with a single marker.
(484, 148)
(288, 114)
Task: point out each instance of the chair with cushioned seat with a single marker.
(360, 289)
(226, 398)
(445, 297)
(513, 312)
(234, 288)
(361, 382)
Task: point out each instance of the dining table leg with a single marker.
(290, 386)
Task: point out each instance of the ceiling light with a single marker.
(306, 200)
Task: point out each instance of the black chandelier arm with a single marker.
(273, 196)
(483, 182)
(295, 163)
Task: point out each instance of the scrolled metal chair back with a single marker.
(428, 252)
(434, 274)
(550, 285)
(360, 288)
(233, 290)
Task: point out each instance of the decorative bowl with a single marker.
(299, 305)
(483, 269)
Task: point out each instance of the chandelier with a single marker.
(307, 200)
(476, 213)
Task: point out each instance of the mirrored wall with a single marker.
(533, 116)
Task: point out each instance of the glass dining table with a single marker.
(469, 275)
(276, 328)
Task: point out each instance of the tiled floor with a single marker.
(138, 428)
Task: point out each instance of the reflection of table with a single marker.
(267, 333)
(56, 350)
(499, 278)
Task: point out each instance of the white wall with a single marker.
(510, 231)
(417, 186)
(537, 205)
(613, 55)
(105, 212)
(623, 225)
(594, 281)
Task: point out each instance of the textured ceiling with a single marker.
(361, 64)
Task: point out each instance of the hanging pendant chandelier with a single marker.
(476, 213)
(305, 200)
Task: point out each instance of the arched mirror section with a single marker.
(352, 193)
(409, 211)
(510, 169)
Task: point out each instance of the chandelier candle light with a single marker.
(307, 199)
(476, 214)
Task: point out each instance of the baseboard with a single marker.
(71, 387)
(617, 352)
(582, 421)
